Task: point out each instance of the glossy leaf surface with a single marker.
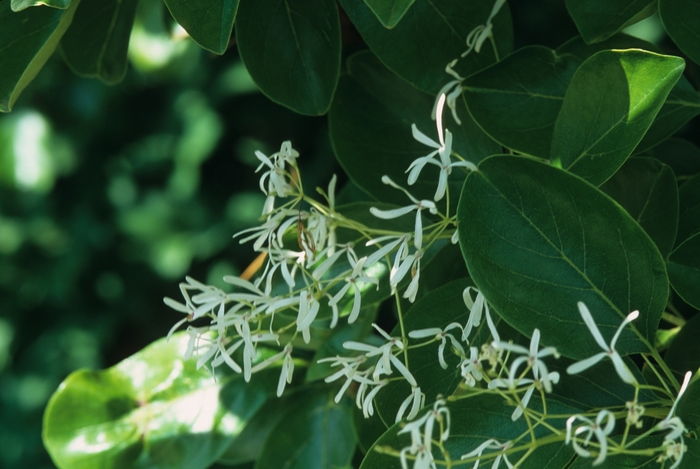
(597, 20)
(316, 434)
(610, 104)
(98, 40)
(154, 409)
(291, 48)
(370, 127)
(684, 270)
(208, 22)
(389, 12)
(537, 240)
(41, 30)
(681, 19)
(430, 36)
(19, 5)
(648, 190)
(517, 100)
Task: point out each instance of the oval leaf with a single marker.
(292, 50)
(610, 104)
(208, 22)
(648, 190)
(597, 20)
(40, 29)
(98, 40)
(517, 100)
(537, 240)
(684, 270)
(317, 434)
(370, 127)
(431, 36)
(681, 155)
(154, 409)
(681, 19)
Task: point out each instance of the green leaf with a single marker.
(680, 154)
(691, 457)
(154, 409)
(370, 128)
(684, 352)
(438, 308)
(431, 35)
(689, 407)
(689, 217)
(681, 19)
(19, 5)
(611, 102)
(389, 12)
(648, 190)
(537, 240)
(597, 20)
(682, 104)
(317, 434)
(96, 45)
(208, 22)
(40, 29)
(292, 50)
(367, 430)
(684, 270)
(517, 100)
(474, 420)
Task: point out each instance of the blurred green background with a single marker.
(109, 196)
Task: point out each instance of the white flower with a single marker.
(363, 400)
(442, 149)
(478, 35)
(356, 276)
(308, 309)
(417, 205)
(442, 335)
(533, 355)
(674, 449)
(477, 308)
(472, 371)
(421, 431)
(609, 351)
(493, 445)
(601, 428)
(416, 400)
(276, 174)
(456, 87)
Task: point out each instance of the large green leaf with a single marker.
(537, 240)
(682, 104)
(431, 35)
(689, 216)
(517, 100)
(689, 407)
(316, 434)
(684, 352)
(648, 190)
(389, 12)
(292, 50)
(208, 22)
(611, 102)
(680, 154)
(98, 40)
(154, 409)
(597, 20)
(40, 30)
(19, 5)
(370, 127)
(684, 270)
(473, 421)
(681, 19)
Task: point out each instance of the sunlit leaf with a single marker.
(97, 42)
(537, 240)
(19, 5)
(648, 190)
(40, 29)
(610, 104)
(208, 22)
(154, 409)
(292, 50)
(517, 100)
